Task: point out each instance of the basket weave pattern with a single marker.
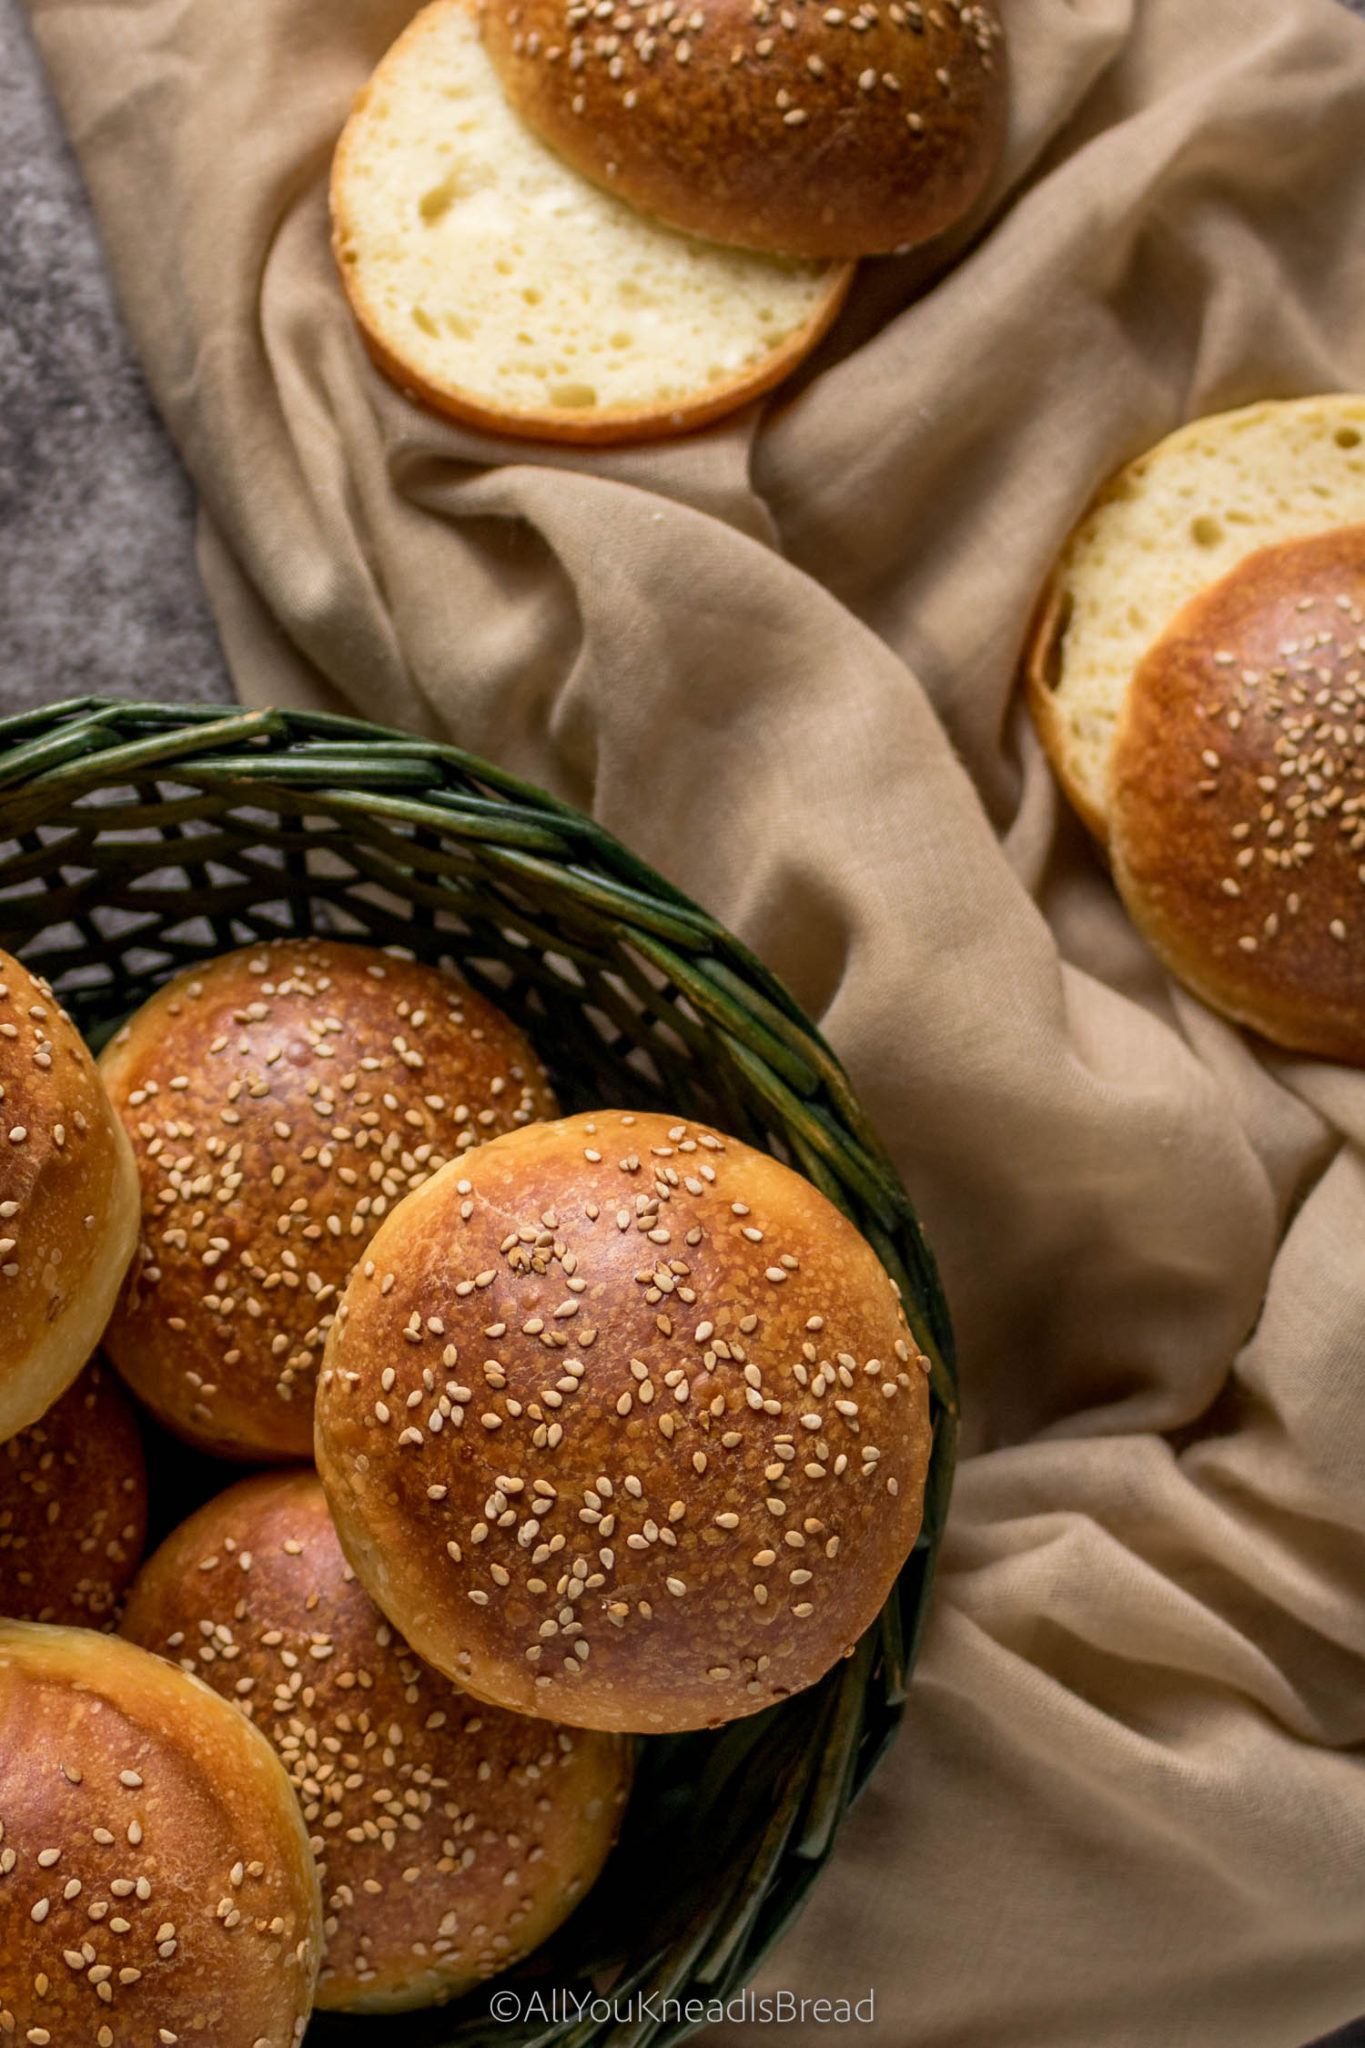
(136, 839)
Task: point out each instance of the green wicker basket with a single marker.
(135, 838)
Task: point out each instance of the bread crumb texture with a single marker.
(480, 260)
(1169, 525)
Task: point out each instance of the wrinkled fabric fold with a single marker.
(778, 659)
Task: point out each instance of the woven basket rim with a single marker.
(53, 755)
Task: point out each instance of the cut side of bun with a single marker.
(1172, 524)
(494, 283)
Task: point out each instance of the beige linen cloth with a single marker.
(1128, 1806)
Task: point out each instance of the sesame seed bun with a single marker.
(451, 1838)
(279, 1100)
(621, 1423)
(155, 1880)
(463, 243)
(73, 1507)
(68, 1200)
(817, 130)
(1237, 794)
(1168, 526)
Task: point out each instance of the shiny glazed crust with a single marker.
(279, 1100)
(68, 1200)
(1237, 795)
(799, 128)
(156, 1880)
(451, 1838)
(621, 1423)
(73, 1507)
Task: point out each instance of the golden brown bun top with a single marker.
(280, 1099)
(451, 1838)
(621, 1423)
(155, 1882)
(803, 128)
(1238, 794)
(73, 1507)
(68, 1207)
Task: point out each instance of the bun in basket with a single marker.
(1169, 525)
(68, 1200)
(621, 1423)
(451, 1839)
(280, 1099)
(73, 1507)
(1237, 794)
(828, 131)
(155, 1880)
(466, 247)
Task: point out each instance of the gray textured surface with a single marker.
(98, 588)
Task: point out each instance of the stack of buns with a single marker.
(450, 1839)
(619, 1430)
(1197, 674)
(607, 223)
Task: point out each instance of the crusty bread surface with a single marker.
(68, 1200)
(1169, 525)
(621, 1423)
(280, 1099)
(155, 1880)
(818, 130)
(494, 283)
(451, 1839)
(1237, 794)
(73, 1507)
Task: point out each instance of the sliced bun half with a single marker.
(495, 284)
(1168, 526)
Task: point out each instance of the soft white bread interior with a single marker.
(496, 284)
(1168, 526)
